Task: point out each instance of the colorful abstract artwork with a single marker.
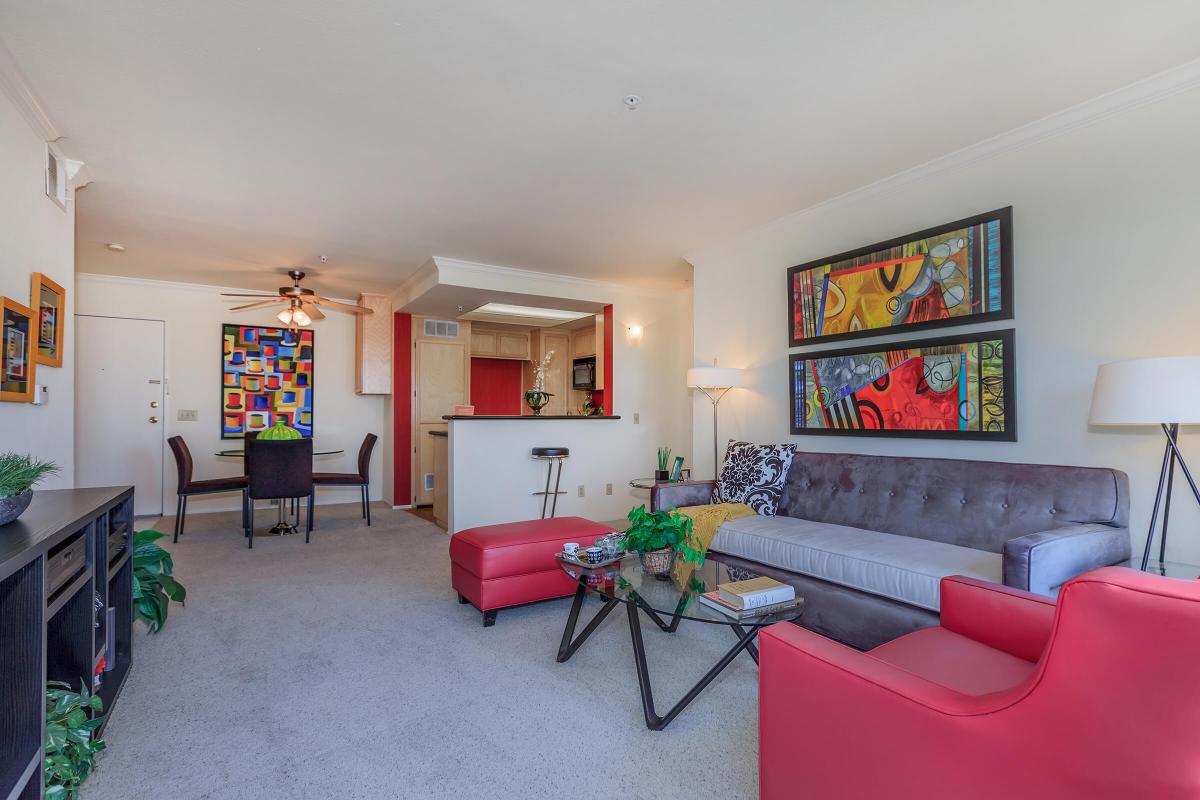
(48, 300)
(949, 388)
(953, 274)
(266, 374)
(17, 334)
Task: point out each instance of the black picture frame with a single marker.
(221, 379)
(1002, 215)
(1006, 336)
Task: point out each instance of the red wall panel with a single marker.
(609, 390)
(402, 410)
(496, 385)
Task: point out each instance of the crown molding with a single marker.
(17, 87)
(179, 286)
(1153, 89)
(447, 267)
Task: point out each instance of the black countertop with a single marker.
(524, 416)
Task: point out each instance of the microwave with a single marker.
(583, 373)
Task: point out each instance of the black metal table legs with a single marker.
(570, 643)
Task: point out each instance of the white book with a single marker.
(756, 593)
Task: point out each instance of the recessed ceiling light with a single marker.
(631, 101)
(115, 247)
(505, 310)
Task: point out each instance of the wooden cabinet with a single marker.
(497, 343)
(558, 372)
(373, 346)
(441, 481)
(585, 342)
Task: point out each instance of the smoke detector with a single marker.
(631, 101)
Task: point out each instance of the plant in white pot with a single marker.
(18, 475)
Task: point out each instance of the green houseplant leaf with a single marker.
(19, 472)
(71, 743)
(154, 586)
(655, 530)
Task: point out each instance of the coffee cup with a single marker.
(594, 554)
(571, 549)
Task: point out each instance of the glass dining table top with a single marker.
(319, 449)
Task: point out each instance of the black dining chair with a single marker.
(188, 487)
(278, 470)
(362, 478)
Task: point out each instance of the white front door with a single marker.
(120, 411)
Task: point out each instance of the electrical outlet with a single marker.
(581, 490)
(637, 418)
(608, 488)
(187, 415)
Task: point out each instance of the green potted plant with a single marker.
(18, 475)
(154, 587)
(71, 744)
(656, 536)
(664, 459)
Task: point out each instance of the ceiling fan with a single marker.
(303, 305)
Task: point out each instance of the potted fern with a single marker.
(18, 475)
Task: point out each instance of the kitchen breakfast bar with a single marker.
(492, 476)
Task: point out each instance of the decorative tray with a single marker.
(583, 562)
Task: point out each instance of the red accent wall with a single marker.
(402, 352)
(609, 389)
(496, 385)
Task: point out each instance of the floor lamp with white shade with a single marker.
(715, 382)
(1152, 391)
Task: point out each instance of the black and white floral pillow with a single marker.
(754, 474)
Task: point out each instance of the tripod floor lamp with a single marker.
(715, 382)
(1152, 391)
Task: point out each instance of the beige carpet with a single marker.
(346, 669)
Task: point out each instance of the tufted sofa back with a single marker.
(978, 504)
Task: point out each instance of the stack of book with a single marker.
(752, 598)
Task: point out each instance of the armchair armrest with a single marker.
(1042, 562)
(666, 496)
(1012, 620)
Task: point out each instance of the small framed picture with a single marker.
(677, 470)
(56, 178)
(17, 332)
(49, 302)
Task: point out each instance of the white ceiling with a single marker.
(229, 139)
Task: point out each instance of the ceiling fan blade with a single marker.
(259, 304)
(312, 310)
(334, 304)
(231, 294)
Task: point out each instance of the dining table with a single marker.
(282, 527)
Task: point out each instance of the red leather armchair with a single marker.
(1010, 697)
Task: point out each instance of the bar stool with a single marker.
(551, 455)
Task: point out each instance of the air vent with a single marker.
(429, 481)
(445, 329)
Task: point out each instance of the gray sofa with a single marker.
(866, 539)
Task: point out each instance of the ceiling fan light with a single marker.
(285, 316)
(301, 318)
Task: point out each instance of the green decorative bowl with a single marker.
(279, 432)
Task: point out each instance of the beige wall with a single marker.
(193, 315)
(1105, 268)
(36, 236)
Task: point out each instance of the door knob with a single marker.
(154, 404)
(153, 420)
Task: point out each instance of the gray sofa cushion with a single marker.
(901, 568)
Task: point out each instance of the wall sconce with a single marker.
(635, 332)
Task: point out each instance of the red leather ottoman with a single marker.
(497, 566)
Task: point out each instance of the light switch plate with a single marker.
(581, 490)
(608, 488)
(187, 415)
(637, 418)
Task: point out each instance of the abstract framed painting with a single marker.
(49, 302)
(954, 274)
(266, 375)
(17, 366)
(953, 387)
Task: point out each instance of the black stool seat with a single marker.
(551, 452)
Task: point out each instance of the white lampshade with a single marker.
(1147, 391)
(714, 377)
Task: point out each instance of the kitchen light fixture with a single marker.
(506, 310)
(635, 332)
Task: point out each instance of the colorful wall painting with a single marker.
(953, 274)
(49, 301)
(266, 373)
(956, 387)
(17, 335)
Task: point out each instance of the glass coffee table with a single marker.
(666, 603)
